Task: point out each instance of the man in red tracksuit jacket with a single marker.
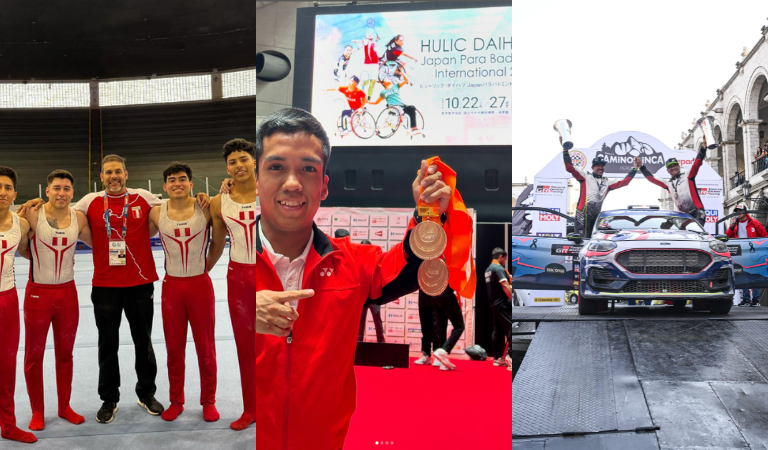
(744, 226)
(310, 289)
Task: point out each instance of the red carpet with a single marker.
(423, 408)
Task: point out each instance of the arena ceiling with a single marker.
(58, 40)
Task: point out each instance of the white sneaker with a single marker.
(436, 363)
(425, 360)
(508, 360)
(498, 362)
(444, 367)
(442, 355)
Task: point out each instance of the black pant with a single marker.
(502, 326)
(449, 304)
(410, 111)
(376, 314)
(108, 307)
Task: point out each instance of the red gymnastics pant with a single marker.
(241, 291)
(190, 300)
(9, 347)
(46, 304)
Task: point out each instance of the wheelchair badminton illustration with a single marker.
(392, 117)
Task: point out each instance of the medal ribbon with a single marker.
(107, 212)
(458, 230)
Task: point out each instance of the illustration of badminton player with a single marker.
(340, 72)
(391, 94)
(371, 63)
(356, 99)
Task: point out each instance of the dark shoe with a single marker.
(152, 406)
(107, 412)
(754, 304)
(744, 303)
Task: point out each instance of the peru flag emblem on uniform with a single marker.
(247, 215)
(136, 212)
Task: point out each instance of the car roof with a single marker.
(649, 212)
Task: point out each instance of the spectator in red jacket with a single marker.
(311, 289)
(746, 227)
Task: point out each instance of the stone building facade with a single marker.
(740, 110)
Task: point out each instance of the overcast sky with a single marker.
(612, 66)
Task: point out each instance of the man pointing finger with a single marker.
(273, 316)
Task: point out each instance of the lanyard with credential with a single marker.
(106, 216)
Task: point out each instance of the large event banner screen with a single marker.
(437, 77)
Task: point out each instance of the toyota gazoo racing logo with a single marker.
(545, 216)
(549, 189)
(709, 192)
(712, 215)
(578, 159)
(558, 249)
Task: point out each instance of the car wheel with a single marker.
(573, 299)
(588, 307)
(679, 304)
(720, 306)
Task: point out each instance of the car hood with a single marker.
(652, 235)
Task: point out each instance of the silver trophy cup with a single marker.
(563, 126)
(707, 125)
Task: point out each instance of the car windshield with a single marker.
(648, 222)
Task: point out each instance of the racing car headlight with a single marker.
(718, 246)
(601, 246)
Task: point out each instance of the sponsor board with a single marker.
(360, 220)
(395, 330)
(414, 344)
(712, 215)
(326, 230)
(396, 340)
(550, 234)
(378, 233)
(710, 192)
(412, 317)
(341, 220)
(359, 233)
(398, 221)
(412, 302)
(546, 300)
(323, 219)
(370, 329)
(379, 220)
(413, 330)
(620, 156)
(398, 303)
(545, 216)
(395, 316)
(397, 234)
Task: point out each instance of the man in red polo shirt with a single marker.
(123, 277)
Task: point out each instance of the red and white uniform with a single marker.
(188, 298)
(369, 49)
(51, 298)
(140, 265)
(240, 220)
(53, 251)
(9, 241)
(185, 243)
(9, 323)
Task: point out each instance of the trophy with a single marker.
(428, 242)
(563, 126)
(707, 129)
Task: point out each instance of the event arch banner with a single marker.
(619, 150)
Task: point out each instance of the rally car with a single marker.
(648, 253)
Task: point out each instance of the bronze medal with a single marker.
(433, 277)
(428, 240)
